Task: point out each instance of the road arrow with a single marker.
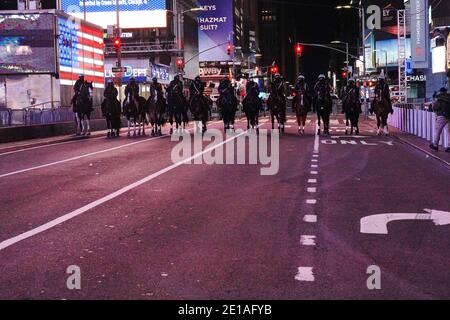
(377, 224)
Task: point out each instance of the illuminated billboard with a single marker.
(388, 50)
(27, 44)
(80, 52)
(215, 29)
(133, 13)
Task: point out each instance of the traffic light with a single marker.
(274, 70)
(344, 74)
(298, 49)
(117, 43)
(229, 48)
(180, 64)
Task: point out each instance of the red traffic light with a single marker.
(117, 43)
(180, 63)
(274, 70)
(229, 48)
(344, 74)
(298, 49)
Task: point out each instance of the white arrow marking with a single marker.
(377, 224)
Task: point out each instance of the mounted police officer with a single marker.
(323, 86)
(351, 91)
(156, 90)
(197, 88)
(277, 89)
(302, 86)
(111, 92)
(382, 91)
(77, 88)
(132, 91)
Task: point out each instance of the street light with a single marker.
(346, 49)
(360, 8)
(178, 21)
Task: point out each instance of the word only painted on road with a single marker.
(357, 142)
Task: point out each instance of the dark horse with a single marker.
(200, 110)
(156, 109)
(111, 112)
(228, 105)
(381, 110)
(177, 112)
(352, 110)
(83, 107)
(134, 110)
(277, 106)
(251, 108)
(301, 106)
(323, 109)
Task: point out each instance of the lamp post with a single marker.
(347, 61)
(360, 9)
(178, 17)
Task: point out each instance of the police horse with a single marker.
(251, 109)
(277, 106)
(301, 106)
(83, 107)
(134, 109)
(228, 105)
(381, 110)
(156, 109)
(323, 109)
(352, 110)
(200, 111)
(111, 112)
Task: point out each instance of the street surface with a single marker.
(140, 227)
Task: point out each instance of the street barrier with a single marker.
(418, 120)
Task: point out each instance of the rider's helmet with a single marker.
(443, 90)
(197, 78)
(109, 82)
(177, 77)
(351, 81)
(155, 80)
(322, 77)
(132, 80)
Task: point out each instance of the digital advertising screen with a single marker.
(133, 13)
(27, 43)
(215, 29)
(388, 50)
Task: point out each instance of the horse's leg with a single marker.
(318, 122)
(378, 125)
(385, 125)
(78, 124)
(88, 124)
(129, 126)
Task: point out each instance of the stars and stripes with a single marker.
(80, 52)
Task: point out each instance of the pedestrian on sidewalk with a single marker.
(442, 109)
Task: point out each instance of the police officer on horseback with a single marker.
(77, 87)
(382, 91)
(111, 92)
(323, 86)
(302, 86)
(197, 88)
(351, 91)
(156, 90)
(225, 86)
(175, 88)
(131, 90)
(277, 89)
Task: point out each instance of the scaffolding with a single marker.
(402, 79)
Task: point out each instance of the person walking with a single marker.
(441, 107)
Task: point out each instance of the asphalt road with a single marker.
(141, 227)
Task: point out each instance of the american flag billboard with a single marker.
(81, 51)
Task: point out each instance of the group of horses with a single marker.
(156, 111)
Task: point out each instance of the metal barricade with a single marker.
(418, 120)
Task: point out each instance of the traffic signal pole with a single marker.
(119, 50)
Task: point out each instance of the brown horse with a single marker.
(381, 110)
(301, 106)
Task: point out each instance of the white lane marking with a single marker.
(49, 225)
(314, 166)
(308, 240)
(311, 201)
(310, 218)
(314, 172)
(315, 155)
(305, 274)
(314, 160)
(312, 190)
(79, 157)
(45, 146)
(312, 181)
(316, 144)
